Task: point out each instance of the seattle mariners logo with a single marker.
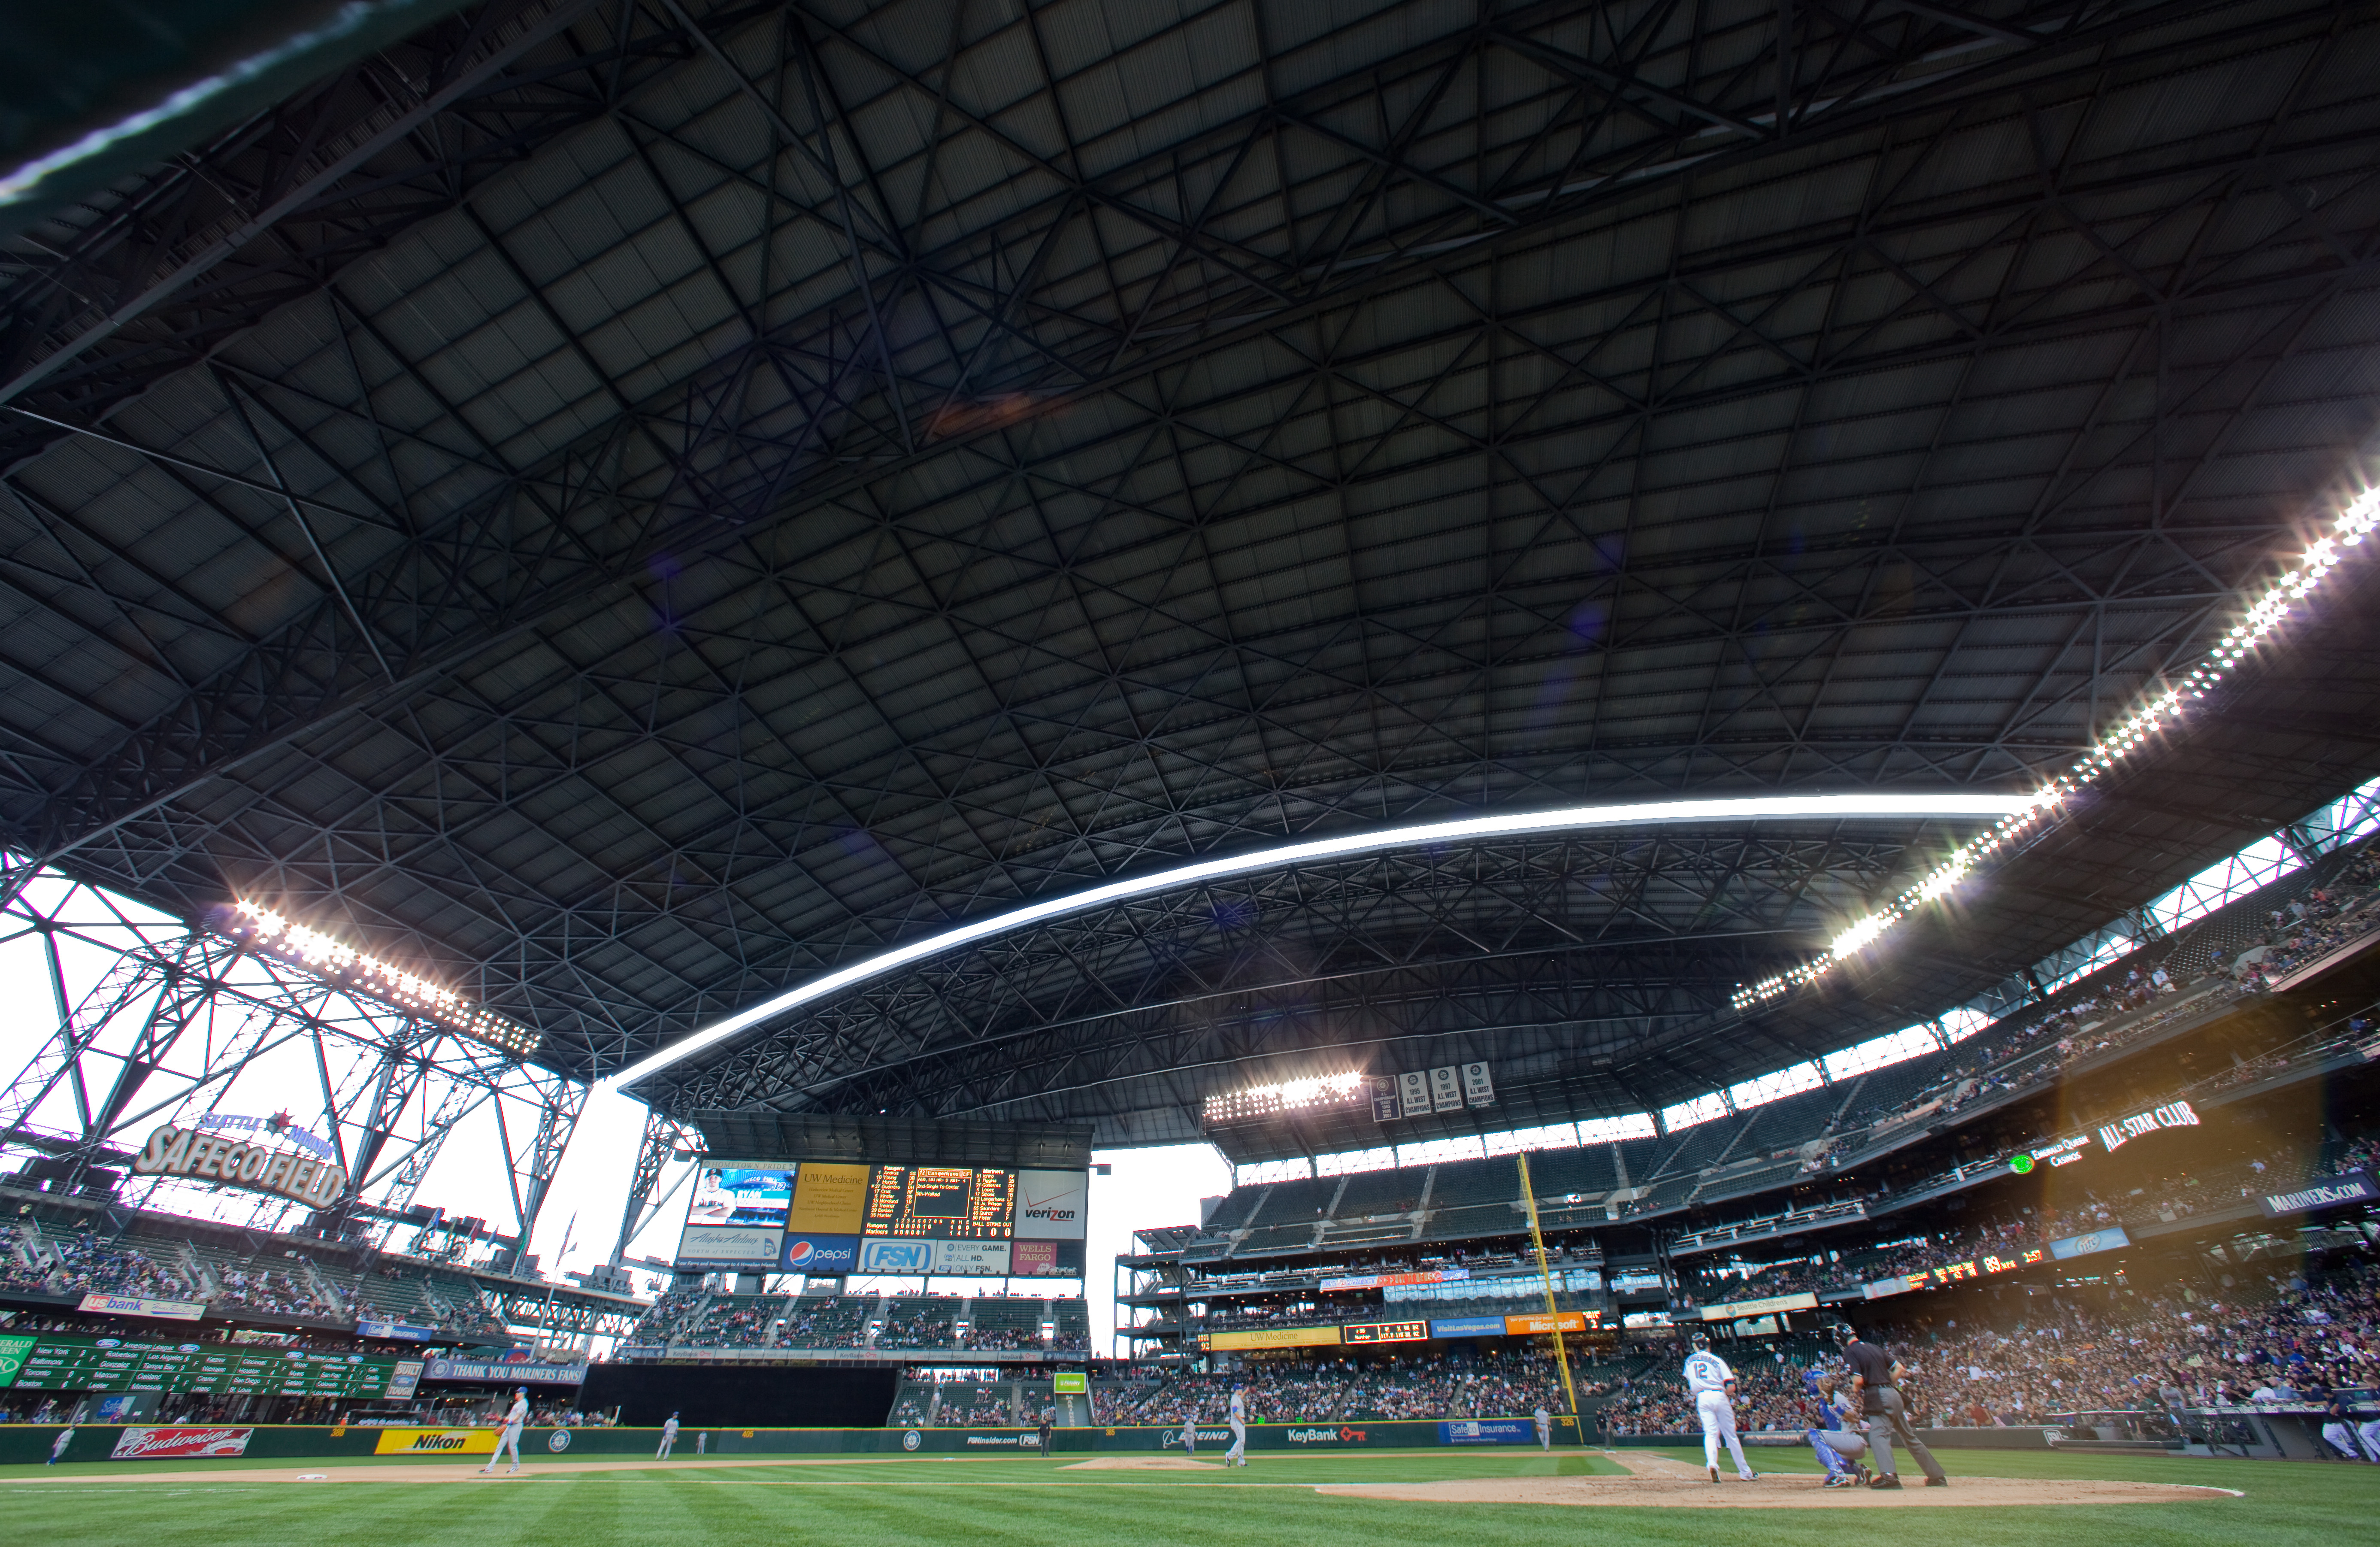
(559, 1441)
(912, 1440)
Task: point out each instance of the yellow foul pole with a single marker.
(1545, 1274)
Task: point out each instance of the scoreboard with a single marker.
(828, 1217)
(110, 1364)
(940, 1202)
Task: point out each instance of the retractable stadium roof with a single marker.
(625, 508)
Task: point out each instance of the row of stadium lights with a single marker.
(2132, 735)
(338, 962)
(1288, 1095)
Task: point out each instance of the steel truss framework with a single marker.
(1584, 962)
(630, 505)
(177, 1016)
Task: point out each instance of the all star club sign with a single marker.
(212, 1157)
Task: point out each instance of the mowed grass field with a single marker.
(1030, 1503)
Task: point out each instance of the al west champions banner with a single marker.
(162, 1445)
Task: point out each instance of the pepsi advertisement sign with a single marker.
(819, 1254)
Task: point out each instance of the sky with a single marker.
(582, 1214)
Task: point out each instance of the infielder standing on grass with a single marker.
(510, 1438)
(669, 1438)
(1545, 1422)
(1190, 1435)
(1238, 1455)
(1713, 1385)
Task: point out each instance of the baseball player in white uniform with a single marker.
(1190, 1435)
(669, 1438)
(1713, 1385)
(1238, 1417)
(1545, 1422)
(510, 1438)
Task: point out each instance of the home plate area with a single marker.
(1658, 1482)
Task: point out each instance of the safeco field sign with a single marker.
(437, 1442)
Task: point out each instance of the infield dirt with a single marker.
(1658, 1482)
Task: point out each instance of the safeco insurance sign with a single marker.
(436, 1442)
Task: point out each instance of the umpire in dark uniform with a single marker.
(1876, 1376)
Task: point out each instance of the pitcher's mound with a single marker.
(1142, 1464)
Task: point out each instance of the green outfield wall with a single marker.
(29, 1443)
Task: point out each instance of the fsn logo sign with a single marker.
(895, 1256)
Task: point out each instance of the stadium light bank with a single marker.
(1786, 808)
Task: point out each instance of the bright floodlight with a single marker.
(1288, 1095)
(1777, 808)
(263, 930)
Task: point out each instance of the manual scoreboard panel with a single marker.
(47, 1363)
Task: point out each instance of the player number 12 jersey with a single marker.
(1708, 1372)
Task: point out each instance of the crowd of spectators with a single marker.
(694, 1317)
(974, 1408)
(79, 1262)
(2315, 925)
(2285, 1340)
(668, 1317)
(2107, 1012)
(1493, 1383)
(736, 1324)
(929, 1325)
(2129, 1352)
(2181, 1193)
(275, 1293)
(833, 1323)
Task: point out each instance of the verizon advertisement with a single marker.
(165, 1444)
(1052, 1205)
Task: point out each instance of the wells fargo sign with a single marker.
(211, 1157)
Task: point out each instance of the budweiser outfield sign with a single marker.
(162, 1444)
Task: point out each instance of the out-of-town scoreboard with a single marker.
(40, 1362)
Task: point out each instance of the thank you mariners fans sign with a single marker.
(212, 1157)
